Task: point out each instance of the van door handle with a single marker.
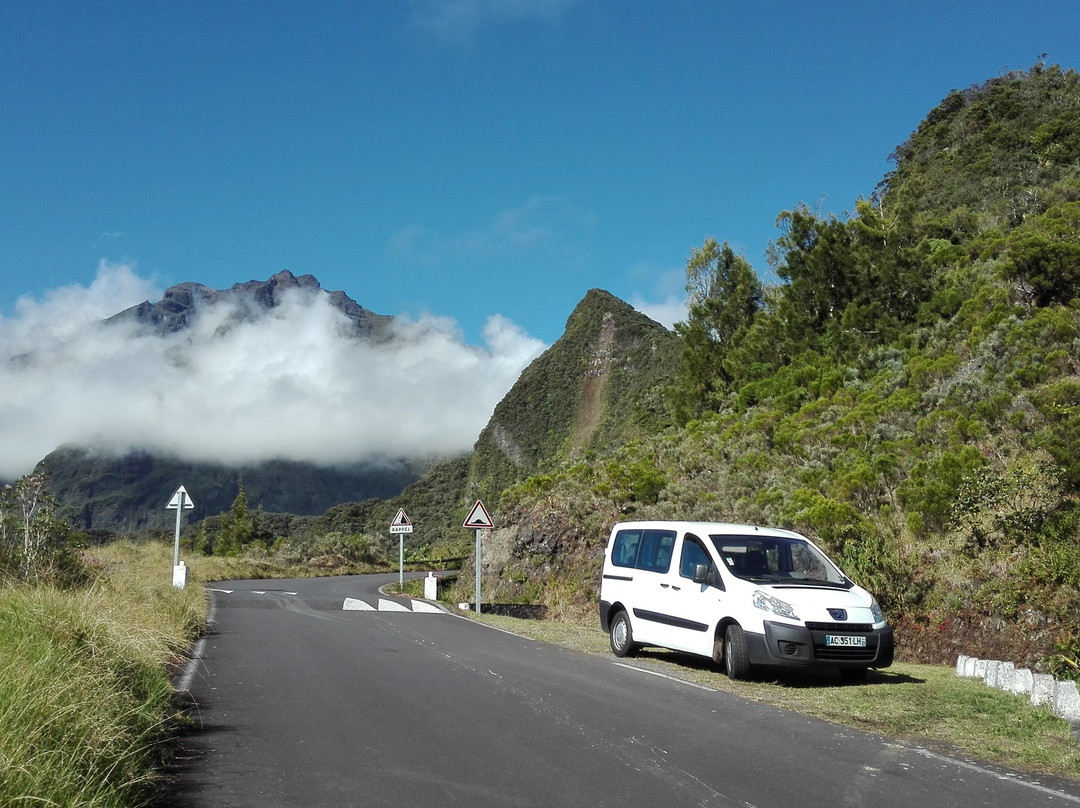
(677, 588)
(665, 586)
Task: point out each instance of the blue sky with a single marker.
(461, 158)
(473, 166)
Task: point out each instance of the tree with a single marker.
(817, 259)
(237, 526)
(1044, 254)
(724, 295)
(202, 540)
(850, 282)
(33, 534)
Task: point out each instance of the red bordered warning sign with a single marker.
(478, 517)
(401, 523)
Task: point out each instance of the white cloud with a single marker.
(665, 312)
(289, 386)
(67, 310)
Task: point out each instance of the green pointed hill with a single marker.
(594, 389)
(598, 386)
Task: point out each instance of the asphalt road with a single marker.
(298, 702)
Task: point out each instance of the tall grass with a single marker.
(85, 697)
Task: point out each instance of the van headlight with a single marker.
(875, 610)
(768, 603)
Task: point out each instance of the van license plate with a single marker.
(845, 640)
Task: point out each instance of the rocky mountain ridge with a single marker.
(113, 492)
(180, 303)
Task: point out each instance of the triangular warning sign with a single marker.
(478, 517)
(181, 499)
(401, 523)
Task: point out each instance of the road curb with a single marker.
(1042, 689)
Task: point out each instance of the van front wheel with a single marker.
(622, 637)
(736, 653)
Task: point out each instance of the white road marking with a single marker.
(663, 676)
(424, 606)
(355, 605)
(1012, 778)
(386, 605)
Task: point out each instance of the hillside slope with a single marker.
(598, 385)
(909, 395)
(128, 493)
(595, 388)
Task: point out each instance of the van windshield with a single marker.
(777, 559)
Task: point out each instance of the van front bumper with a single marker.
(817, 644)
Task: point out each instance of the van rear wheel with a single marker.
(622, 636)
(736, 653)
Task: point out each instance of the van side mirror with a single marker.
(701, 574)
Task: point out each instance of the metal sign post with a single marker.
(478, 518)
(401, 525)
(479, 569)
(181, 501)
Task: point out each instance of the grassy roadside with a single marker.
(85, 698)
(924, 704)
(86, 710)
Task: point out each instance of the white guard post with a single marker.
(181, 501)
(179, 575)
(431, 587)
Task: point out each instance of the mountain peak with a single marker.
(179, 304)
(592, 389)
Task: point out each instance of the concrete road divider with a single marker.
(1061, 696)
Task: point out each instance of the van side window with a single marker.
(625, 550)
(656, 549)
(694, 553)
(644, 549)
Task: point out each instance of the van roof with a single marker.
(709, 528)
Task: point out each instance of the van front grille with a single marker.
(841, 628)
(845, 654)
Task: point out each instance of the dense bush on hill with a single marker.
(908, 394)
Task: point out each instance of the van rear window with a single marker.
(643, 549)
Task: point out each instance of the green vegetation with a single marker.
(907, 395)
(85, 700)
(34, 536)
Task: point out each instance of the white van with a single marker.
(740, 594)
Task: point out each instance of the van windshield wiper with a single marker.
(812, 582)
